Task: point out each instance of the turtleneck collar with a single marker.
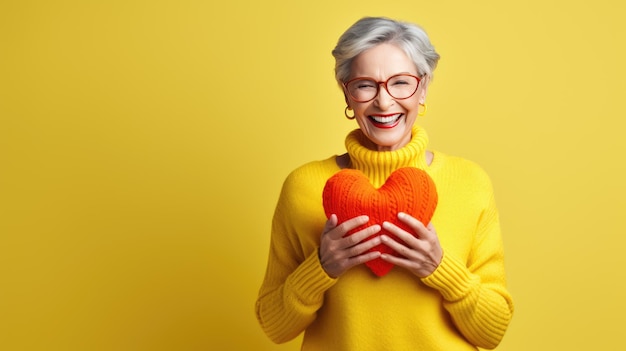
(378, 165)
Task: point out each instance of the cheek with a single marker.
(411, 105)
(360, 109)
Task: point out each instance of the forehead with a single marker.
(381, 62)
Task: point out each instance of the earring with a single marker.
(423, 112)
(345, 112)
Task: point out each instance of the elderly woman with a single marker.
(447, 290)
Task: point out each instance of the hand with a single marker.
(421, 254)
(338, 254)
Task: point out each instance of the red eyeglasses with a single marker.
(400, 86)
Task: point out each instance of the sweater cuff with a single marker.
(452, 278)
(310, 280)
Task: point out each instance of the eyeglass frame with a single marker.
(384, 83)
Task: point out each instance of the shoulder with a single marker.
(455, 169)
(309, 177)
(313, 170)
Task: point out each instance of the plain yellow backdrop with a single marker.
(143, 145)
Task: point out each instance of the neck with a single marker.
(378, 165)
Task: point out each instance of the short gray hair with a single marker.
(371, 31)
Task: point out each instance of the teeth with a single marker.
(387, 119)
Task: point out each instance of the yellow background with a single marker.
(143, 145)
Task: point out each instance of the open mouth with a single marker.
(385, 121)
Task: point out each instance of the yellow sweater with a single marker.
(463, 305)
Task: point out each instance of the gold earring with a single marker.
(345, 112)
(423, 112)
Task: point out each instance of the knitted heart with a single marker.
(349, 194)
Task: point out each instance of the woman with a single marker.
(447, 289)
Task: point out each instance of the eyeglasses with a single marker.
(365, 89)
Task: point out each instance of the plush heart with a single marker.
(349, 194)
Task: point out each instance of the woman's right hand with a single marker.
(338, 253)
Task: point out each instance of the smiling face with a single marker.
(387, 122)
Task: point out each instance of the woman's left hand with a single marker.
(421, 254)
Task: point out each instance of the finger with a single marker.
(359, 249)
(398, 261)
(419, 268)
(342, 229)
(418, 227)
(402, 234)
(396, 246)
(330, 223)
(431, 228)
(361, 235)
(354, 261)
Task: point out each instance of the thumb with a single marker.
(330, 223)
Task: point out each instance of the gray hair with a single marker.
(371, 31)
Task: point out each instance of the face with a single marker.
(387, 122)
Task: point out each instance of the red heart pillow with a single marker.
(349, 194)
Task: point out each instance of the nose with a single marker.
(383, 100)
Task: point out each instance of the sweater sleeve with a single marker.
(475, 292)
(295, 282)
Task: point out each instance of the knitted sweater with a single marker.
(462, 305)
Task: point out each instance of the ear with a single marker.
(422, 90)
(345, 96)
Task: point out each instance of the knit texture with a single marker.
(349, 194)
(462, 305)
